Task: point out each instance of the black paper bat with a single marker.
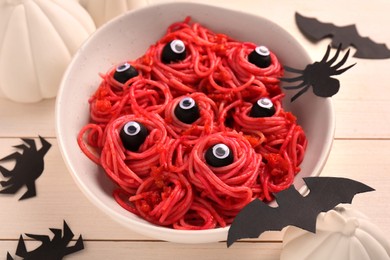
(319, 76)
(54, 249)
(29, 165)
(293, 208)
(345, 36)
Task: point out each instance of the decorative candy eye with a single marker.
(125, 72)
(173, 51)
(187, 111)
(260, 56)
(262, 108)
(133, 134)
(219, 155)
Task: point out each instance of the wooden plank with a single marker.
(360, 151)
(360, 106)
(358, 115)
(60, 199)
(360, 111)
(27, 120)
(163, 250)
(365, 161)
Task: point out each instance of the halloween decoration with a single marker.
(29, 166)
(38, 39)
(342, 233)
(104, 10)
(293, 208)
(345, 36)
(318, 76)
(50, 249)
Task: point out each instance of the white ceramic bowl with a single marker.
(127, 37)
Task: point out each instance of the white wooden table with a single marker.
(361, 150)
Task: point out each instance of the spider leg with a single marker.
(326, 56)
(300, 93)
(45, 146)
(21, 147)
(68, 234)
(31, 191)
(30, 142)
(338, 72)
(57, 233)
(79, 245)
(9, 257)
(343, 60)
(6, 183)
(341, 63)
(332, 60)
(297, 86)
(5, 172)
(292, 79)
(41, 238)
(10, 189)
(293, 70)
(21, 250)
(14, 156)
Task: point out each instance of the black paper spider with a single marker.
(29, 165)
(318, 75)
(55, 248)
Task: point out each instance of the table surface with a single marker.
(360, 150)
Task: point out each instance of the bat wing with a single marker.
(9, 257)
(313, 29)
(327, 192)
(368, 49)
(345, 36)
(246, 223)
(294, 209)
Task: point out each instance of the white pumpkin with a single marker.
(37, 41)
(342, 234)
(104, 10)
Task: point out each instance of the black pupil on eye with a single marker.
(187, 110)
(179, 48)
(187, 103)
(220, 152)
(262, 108)
(132, 129)
(219, 155)
(173, 51)
(133, 134)
(260, 57)
(125, 72)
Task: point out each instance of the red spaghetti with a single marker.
(194, 129)
(229, 188)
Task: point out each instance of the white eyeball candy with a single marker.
(174, 51)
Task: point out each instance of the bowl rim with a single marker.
(146, 227)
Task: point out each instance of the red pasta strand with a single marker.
(167, 179)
